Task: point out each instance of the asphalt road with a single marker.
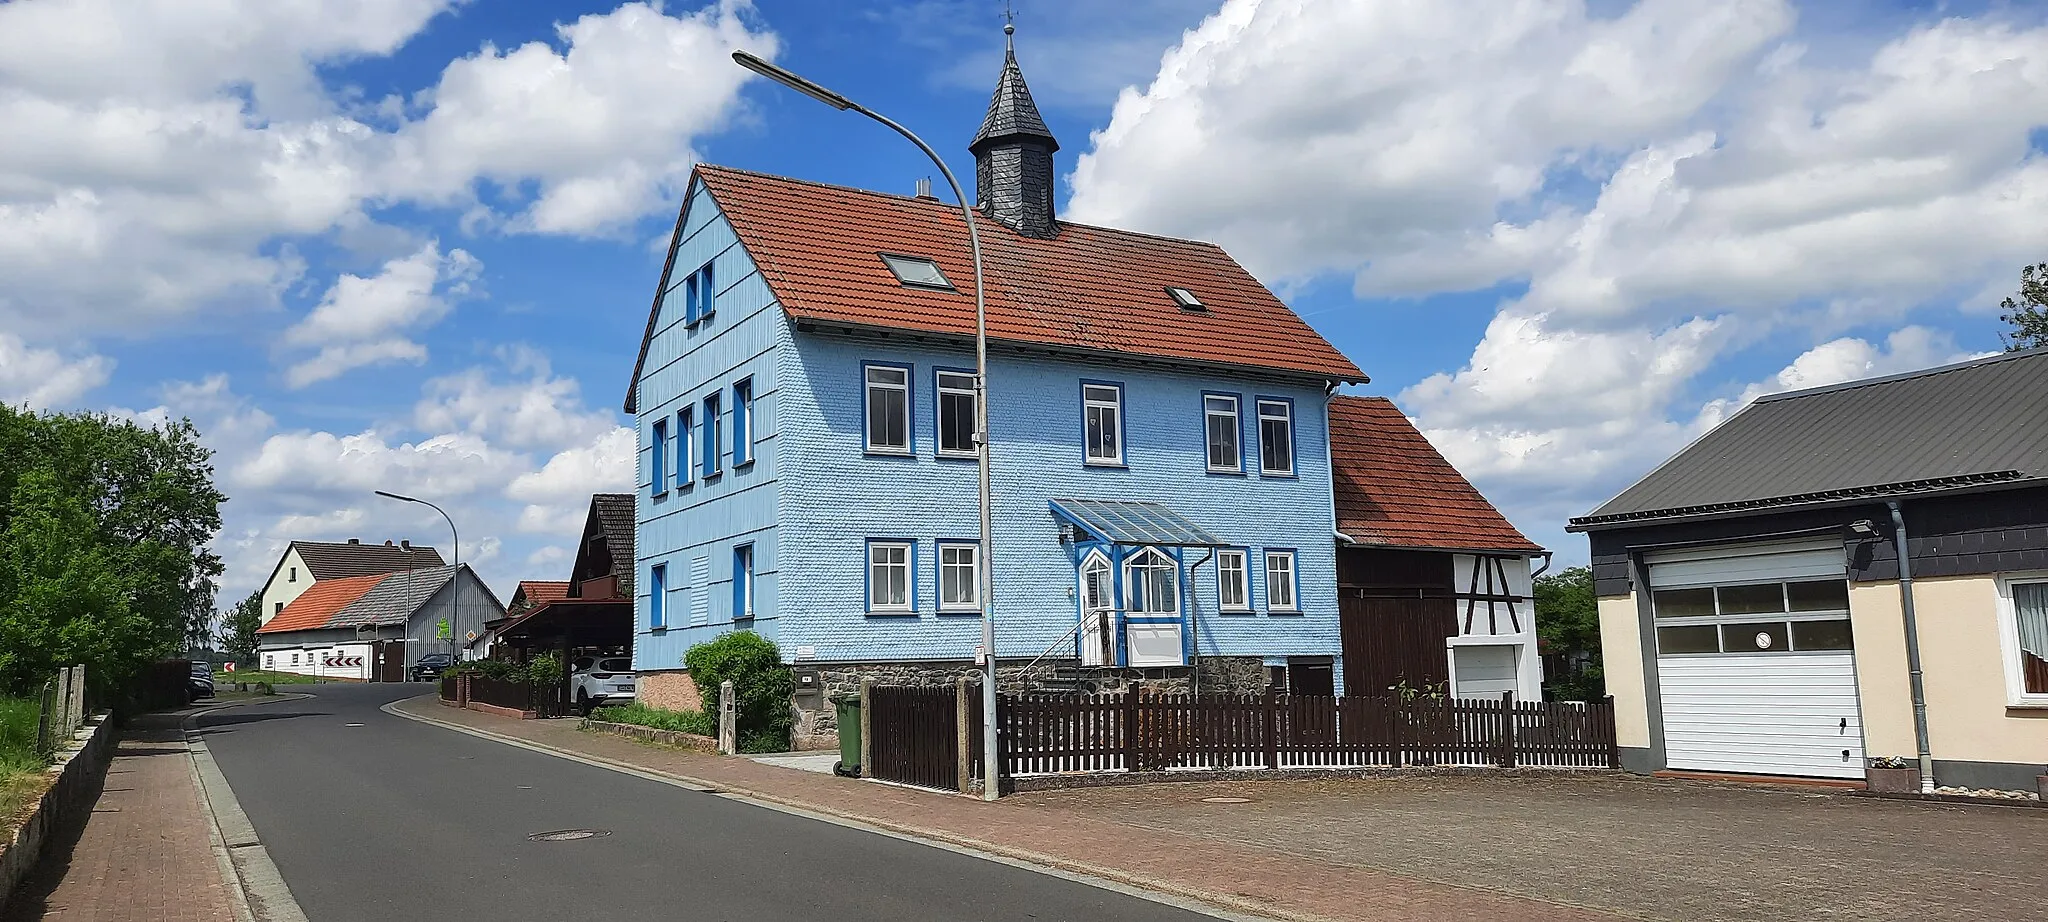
(375, 817)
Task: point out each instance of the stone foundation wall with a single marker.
(817, 725)
(670, 690)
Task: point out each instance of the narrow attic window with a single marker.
(1187, 300)
(917, 271)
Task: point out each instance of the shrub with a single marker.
(545, 669)
(760, 682)
(639, 714)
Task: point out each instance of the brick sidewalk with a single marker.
(145, 852)
(1244, 878)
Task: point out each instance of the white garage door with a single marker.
(1756, 662)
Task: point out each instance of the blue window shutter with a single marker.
(708, 292)
(657, 596)
(690, 297)
(659, 465)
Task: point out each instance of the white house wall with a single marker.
(1495, 622)
(282, 589)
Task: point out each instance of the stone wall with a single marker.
(670, 690)
(817, 725)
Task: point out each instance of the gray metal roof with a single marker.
(393, 600)
(1011, 113)
(1133, 522)
(1969, 424)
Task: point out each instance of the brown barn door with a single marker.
(1389, 641)
(390, 661)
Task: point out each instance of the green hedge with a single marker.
(759, 679)
(639, 714)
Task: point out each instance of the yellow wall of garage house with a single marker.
(1963, 666)
(1621, 660)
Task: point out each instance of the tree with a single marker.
(1568, 626)
(240, 628)
(2027, 311)
(103, 532)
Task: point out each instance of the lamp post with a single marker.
(991, 771)
(455, 578)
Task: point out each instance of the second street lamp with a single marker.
(455, 578)
(991, 770)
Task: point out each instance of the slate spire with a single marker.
(1013, 173)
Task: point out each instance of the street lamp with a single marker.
(991, 770)
(456, 578)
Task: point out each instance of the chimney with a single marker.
(355, 540)
(924, 189)
(387, 542)
(1013, 171)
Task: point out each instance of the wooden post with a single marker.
(867, 728)
(1607, 725)
(964, 744)
(1272, 730)
(1507, 730)
(728, 718)
(1130, 728)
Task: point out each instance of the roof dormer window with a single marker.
(917, 271)
(1186, 300)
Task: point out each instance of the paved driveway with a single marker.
(1677, 850)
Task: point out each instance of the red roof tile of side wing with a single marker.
(1395, 489)
(819, 247)
(321, 602)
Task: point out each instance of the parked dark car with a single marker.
(430, 665)
(200, 685)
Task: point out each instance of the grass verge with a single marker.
(21, 762)
(257, 675)
(639, 714)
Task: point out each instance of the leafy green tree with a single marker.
(1568, 624)
(239, 629)
(103, 532)
(2027, 311)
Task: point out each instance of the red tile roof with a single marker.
(1394, 489)
(321, 602)
(542, 591)
(1090, 288)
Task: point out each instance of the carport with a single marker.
(564, 625)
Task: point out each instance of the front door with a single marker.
(1098, 612)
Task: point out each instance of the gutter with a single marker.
(1912, 648)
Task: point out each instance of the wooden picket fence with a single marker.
(1051, 733)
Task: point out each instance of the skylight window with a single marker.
(917, 271)
(1186, 299)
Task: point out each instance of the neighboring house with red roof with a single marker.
(304, 563)
(373, 627)
(805, 399)
(533, 593)
(1435, 583)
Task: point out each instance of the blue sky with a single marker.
(412, 246)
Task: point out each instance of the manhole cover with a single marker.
(569, 835)
(1226, 800)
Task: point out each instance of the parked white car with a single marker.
(595, 681)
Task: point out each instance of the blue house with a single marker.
(805, 403)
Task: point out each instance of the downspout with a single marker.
(1541, 570)
(1912, 648)
(1195, 621)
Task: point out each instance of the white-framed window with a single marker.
(888, 409)
(2023, 630)
(269, 661)
(742, 581)
(295, 658)
(1098, 589)
(1102, 423)
(657, 596)
(889, 576)
(1151, 584)
(1796, 616)
(1220, 429)
(742, 422)
(959, 577)
(1276, 437)
(955, 414)
(295, 575)
(1280, 583)
(1232, 580)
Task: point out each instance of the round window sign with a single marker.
(1763, 640)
